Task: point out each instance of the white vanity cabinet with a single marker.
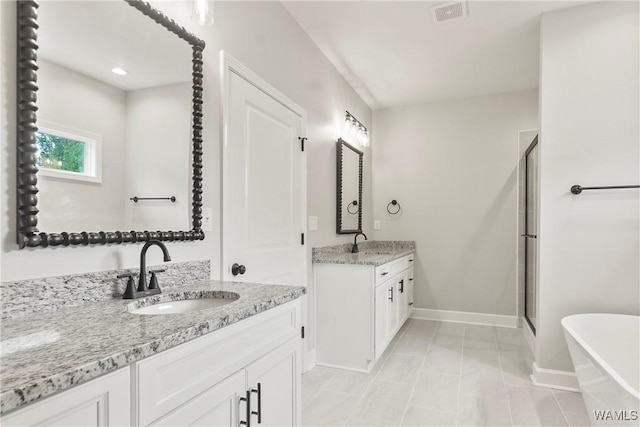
(228, 366)
(391, 309)
(251, 368)
(104, 401)
(217, 406)
(270, 384)
(359, 309)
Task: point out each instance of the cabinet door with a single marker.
(401, 294)
(381, 319)
(218, 406)
(410, 293)
(104, 401)
(392, 320)
(274, 382)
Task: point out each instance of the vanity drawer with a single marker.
(390, 269)
(383, 273)
(171, 378)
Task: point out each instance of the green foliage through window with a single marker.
(60, 153)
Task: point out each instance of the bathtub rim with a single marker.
(593, 354)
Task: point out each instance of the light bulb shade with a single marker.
(365, 140)
(202, 12)
(355, 132)
(347, 127)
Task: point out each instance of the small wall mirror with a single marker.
(110, 124)
(349, 180)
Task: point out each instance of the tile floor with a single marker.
(441, 374)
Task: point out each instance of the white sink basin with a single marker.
(183, 305)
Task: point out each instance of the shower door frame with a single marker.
(530, 148)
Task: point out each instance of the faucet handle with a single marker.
(130, 292)
(153, 283)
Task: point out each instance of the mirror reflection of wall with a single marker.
(114, 119)
(349, 200)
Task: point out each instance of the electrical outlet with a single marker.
(207, 219)
(313, 223)
(376, 224)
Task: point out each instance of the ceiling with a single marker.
(394, 53)
(92, 37)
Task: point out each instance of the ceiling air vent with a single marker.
(449, 11)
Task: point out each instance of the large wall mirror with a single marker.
(109, 124)
(349, 180)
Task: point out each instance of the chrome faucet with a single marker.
(355, 249)
(153, 288)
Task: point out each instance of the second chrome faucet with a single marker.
(143, 289)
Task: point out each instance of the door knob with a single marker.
(238, 269)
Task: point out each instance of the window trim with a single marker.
(92, 153)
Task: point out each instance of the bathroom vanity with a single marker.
(362, 300)
(103, 364)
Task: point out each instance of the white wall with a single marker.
(589, 244)
(158, 157)
(452, 166)
(73, 100)
(264, 37)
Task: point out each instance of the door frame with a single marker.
(529, 149)
(230, 65)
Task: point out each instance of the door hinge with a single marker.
(302, 239)
(302, 140)
(302, 332)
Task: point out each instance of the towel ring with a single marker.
(394, 202)
(354, 203)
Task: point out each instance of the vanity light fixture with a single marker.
(119, 71)
(354, 131)
(202, 12)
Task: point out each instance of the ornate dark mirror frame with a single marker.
(341, 145)
(27, 201)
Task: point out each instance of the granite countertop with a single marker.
(52, 351)
(371, 253)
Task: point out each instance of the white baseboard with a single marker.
(466, 317)
(344, 368)
(309, 360)
(552, 378)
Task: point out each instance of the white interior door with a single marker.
(264, 200)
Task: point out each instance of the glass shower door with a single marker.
(531, 235)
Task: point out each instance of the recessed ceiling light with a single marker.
(119, 71)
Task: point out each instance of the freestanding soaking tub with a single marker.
(605, 349)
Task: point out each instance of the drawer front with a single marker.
(409, 260)
(169, 379)
(386, 271)
(383, 273)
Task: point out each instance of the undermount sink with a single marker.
(182, 303)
